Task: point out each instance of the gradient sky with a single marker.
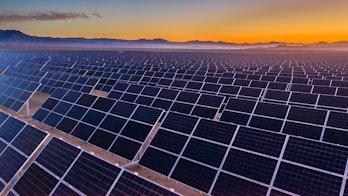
(239, 21)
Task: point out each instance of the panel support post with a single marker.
(27, 110)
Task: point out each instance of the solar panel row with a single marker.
(18, 141)
(14, 92)
(205, 153)
(118, 127)
(62, 169)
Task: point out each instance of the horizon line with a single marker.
(172, 41)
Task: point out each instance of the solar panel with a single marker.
(241, 105)
(82, 131)
(35, 181)
(193, 174)
(15, 92)
(28, 139)
(187, 97)
(307, 115)
(277, 95)
(10, 128)
(10, 163)
(215, 131)
(209, 100)
(231, 185)
(129, 184)
(136, 130)
(67, 125)
(333, 101)
(250, 165)
(250, 92)
(91, 175)
(123, 109)
(103, 104)
(300, 180)
(158, 160)
(161, 103)
(86, 100)
(266, 123)
(235, 117)
(339, 120)
(259, 141)
(3, 145)
(93, 117)
(113, 123)
(304, 130)
(102, 139)
(271, 110)
(147, 114)
(205, 152)
(186, 125)
(76, 112)
(143, 100)
(125, 147)
(206, 112)
(62, 107)
(303, 98)
(315, 154)
(336, 136)
(63, 189)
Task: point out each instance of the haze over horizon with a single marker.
(234, 21)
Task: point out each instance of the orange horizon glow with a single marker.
(232, 21)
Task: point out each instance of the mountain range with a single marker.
(14, 38)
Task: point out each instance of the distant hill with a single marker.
(14, 38)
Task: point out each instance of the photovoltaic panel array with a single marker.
(116, 126)
(67, 170)
(18, 141)
(230, 123)
(209, 155)
(14, 92)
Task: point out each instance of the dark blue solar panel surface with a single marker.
(193, 174)
(179, 122)
(35, 181)
(301, 181)
(303, 130)
(57, 156)
(250, 165)
(216, 131)
(130, 184)
(135, 130)
(10, 162)
(147, 114)
(91, 175)
(10, 128)
(231, 185)
(205, 152)
(323, 156)
(125, 148)
(62, 189)
(169, 141)
(28, 139)
(102, 139)
(157, 160)
(259, 141)
(113, 123)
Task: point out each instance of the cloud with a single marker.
(97, 14)
(48, 15)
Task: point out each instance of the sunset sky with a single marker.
(239, 21)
